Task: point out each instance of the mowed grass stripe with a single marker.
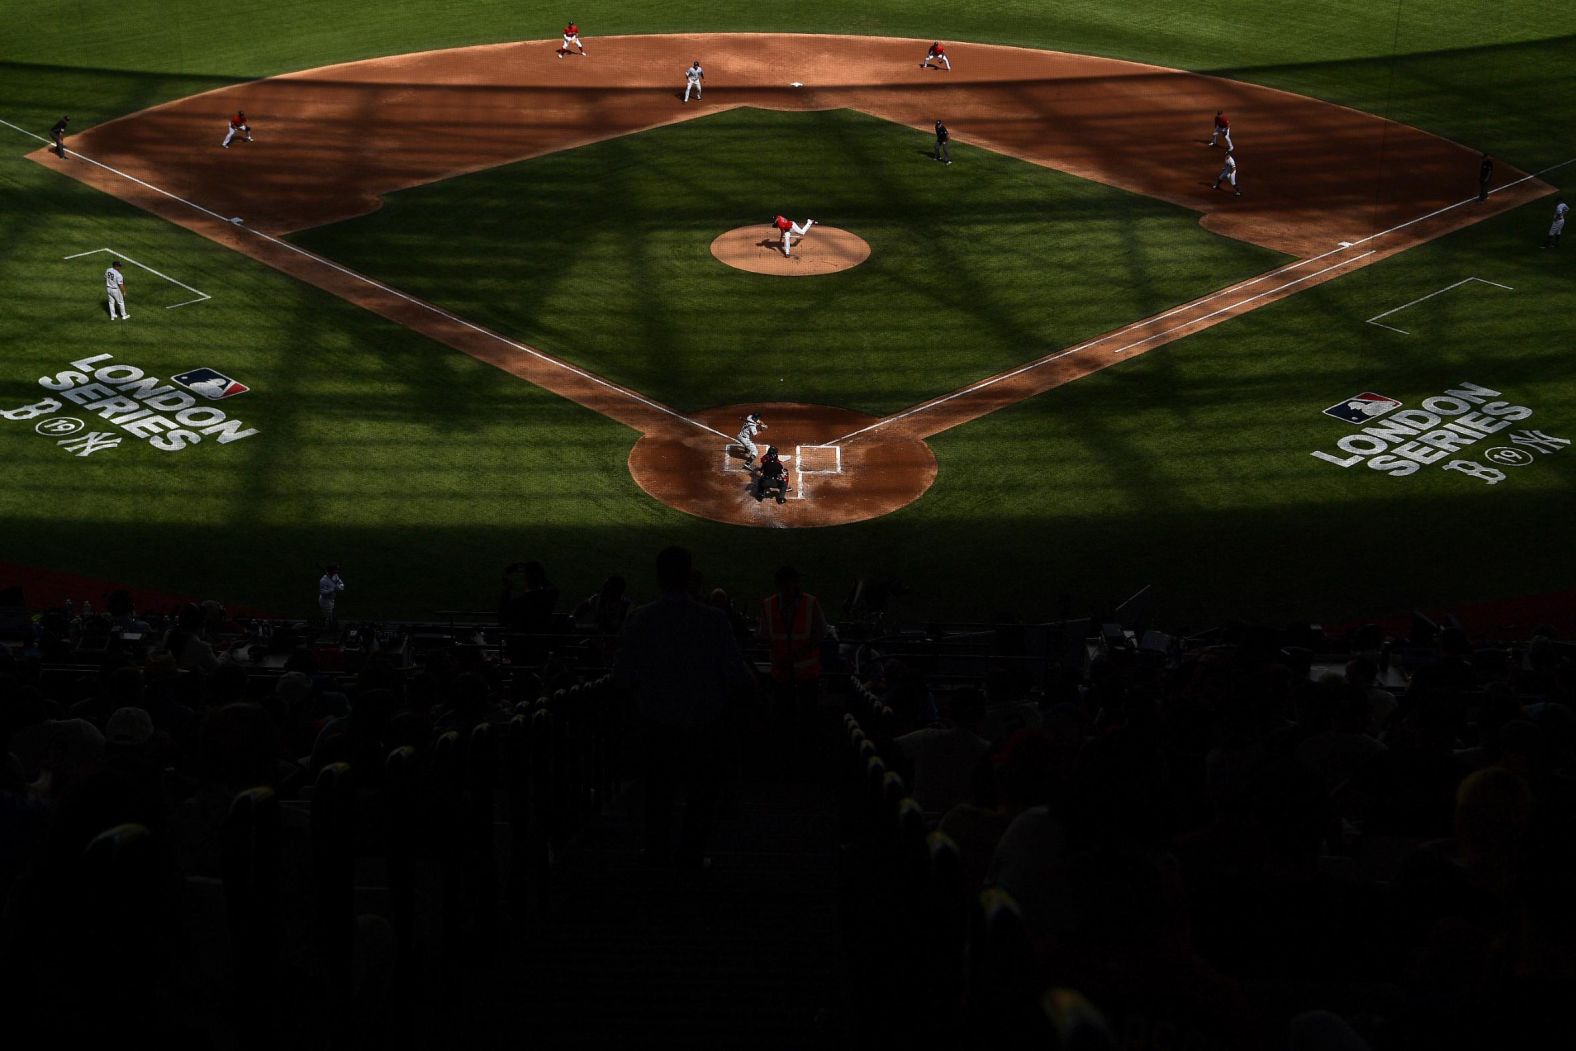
(424, 471)
(600, 255)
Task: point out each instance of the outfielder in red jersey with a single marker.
(238, 126)
(937, 54)
(789, 230)
(571, 38)
(1222, 130)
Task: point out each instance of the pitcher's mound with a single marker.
(824, 250)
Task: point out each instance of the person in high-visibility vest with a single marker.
(793, 625)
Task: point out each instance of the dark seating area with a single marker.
(1079, 833)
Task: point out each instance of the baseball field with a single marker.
(456, 304)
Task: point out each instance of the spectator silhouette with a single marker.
(1007, 711)
(186, 644)
(718, 599)
(793, 625)
(946, 757)
(526, 607)
(680, 660)
(606, 611)
(237, 749)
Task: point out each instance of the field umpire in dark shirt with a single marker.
(943, 154)
(1485, 176)
(58, 132)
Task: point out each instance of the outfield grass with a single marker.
(424, 471)
(374, 443)
(600, 255)
(1190, 467)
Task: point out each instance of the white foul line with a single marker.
(1240, 302)
(201, 295)
(909, 412)
(314, 257)
(1396, 310)
(1344, 245)
(981, 385)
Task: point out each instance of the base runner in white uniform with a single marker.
(753, 425)
(115, 289)
(1557, 227)
(692, 78)
(1228, 174)
(789, 230)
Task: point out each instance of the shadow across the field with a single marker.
(1494, 96)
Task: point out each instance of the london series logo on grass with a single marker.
(211, 384)
(1359, 408)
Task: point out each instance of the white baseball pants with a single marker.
(692, 85)
(795, 231)
(117, 298)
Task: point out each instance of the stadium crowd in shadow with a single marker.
(218, 832)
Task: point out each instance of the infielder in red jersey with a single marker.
(238, 126)
(1222, 130)
(937, 54)
(571, 39)
(789, 230)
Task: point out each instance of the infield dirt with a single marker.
(332, 141)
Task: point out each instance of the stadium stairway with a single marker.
(745, 955)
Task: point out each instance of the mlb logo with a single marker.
(211, 384)
(1362, 407)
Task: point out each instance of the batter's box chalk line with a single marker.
(733, 466)
(819, 459)
(1375, 320)
(199, 293)
(730, 463)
